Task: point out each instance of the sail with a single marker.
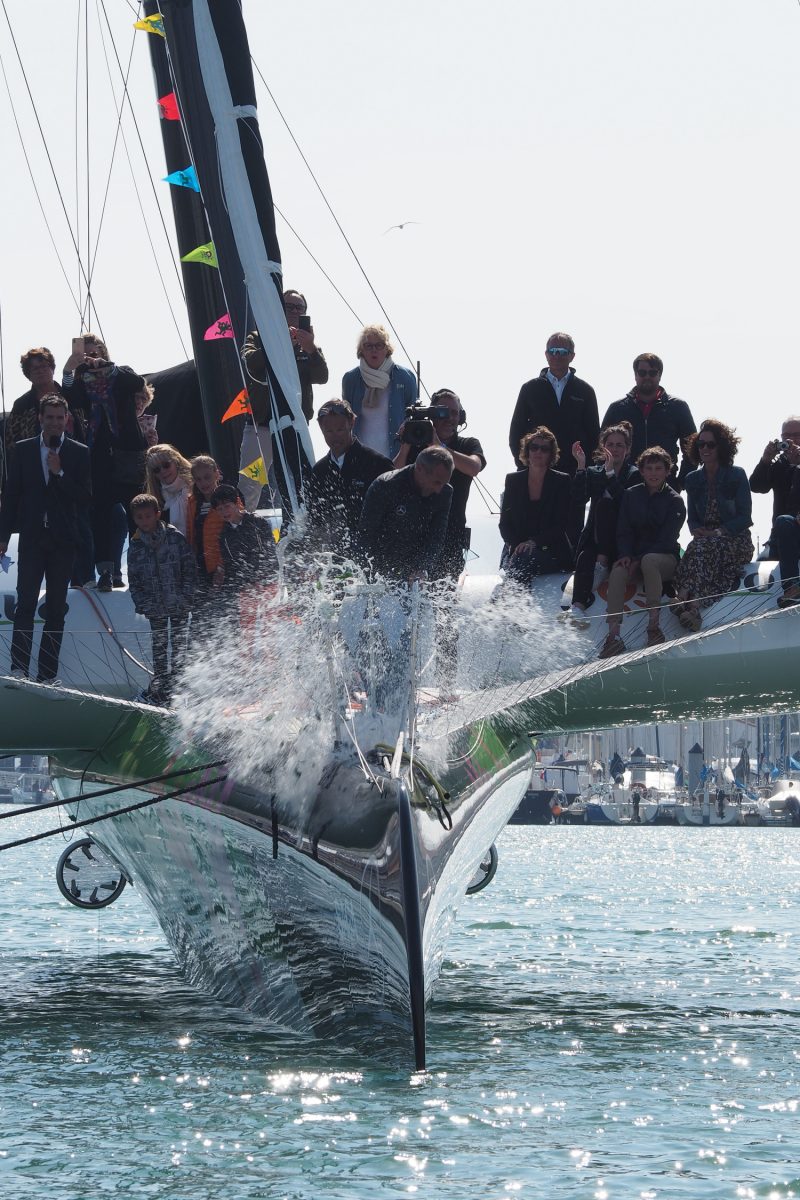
(211, 75)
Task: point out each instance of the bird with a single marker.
(402, 225)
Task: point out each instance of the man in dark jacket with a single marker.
(48, 487)
(657, 418)
(447, 416)
(339, 481)
(778, 471)
(560, 400)
(404, 518)
(567, 406)
(778, 468)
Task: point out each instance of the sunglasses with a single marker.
(652, 372)
(545, 449)
(374, 345)
(558, 351)
(301, 308)
(706, 443)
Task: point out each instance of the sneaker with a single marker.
(612, 646)
(118, 581)
(655, 636)
(790, 597)
(89, 586)
(51, 682)
(104, 583)
(18, 673)
(578, 618)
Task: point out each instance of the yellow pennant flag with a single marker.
(255, 471)
(151, 25)
(202, 254)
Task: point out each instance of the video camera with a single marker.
(418, 431)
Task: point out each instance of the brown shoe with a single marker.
(790, 597)
(612, 646)
(655, 635)
(690, 619)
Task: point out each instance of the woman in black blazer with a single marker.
(535, 511)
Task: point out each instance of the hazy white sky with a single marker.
(622, 169)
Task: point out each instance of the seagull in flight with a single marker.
(402, 225)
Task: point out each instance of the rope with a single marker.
(110, 791)
(129, 808)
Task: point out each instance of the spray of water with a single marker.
(335, 664)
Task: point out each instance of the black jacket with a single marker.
(649, 522)
(592, 485)
(574, 419)
(336, 496)
(401, 530)
(248, 553)
(783, 479)
(28, 500)
(667, 425)
(543, 521)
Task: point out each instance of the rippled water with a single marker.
(618, 1018)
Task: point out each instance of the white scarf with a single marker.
(176, 499)
(376, 380)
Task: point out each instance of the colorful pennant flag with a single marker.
(238, 407)
(168, 108)
(221, 328)
(205, 254)
(151, 25)
(185, 178)
(255, 471)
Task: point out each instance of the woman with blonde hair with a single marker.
(378, 391)
(169, 479)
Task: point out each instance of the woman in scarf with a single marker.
(169, 479)
(378, 391)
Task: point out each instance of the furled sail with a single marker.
(211, 75)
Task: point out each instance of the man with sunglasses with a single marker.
(565, 404)
(560, 400)
(656, 417)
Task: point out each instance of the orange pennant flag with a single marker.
(238, 407)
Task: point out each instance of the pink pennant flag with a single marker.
(221, 328)
(168, 108)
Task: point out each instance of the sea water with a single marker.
(617, 1018)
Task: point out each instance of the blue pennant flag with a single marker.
(185, 178)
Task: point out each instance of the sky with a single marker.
(625, 170)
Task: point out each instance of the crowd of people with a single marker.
(602, 499)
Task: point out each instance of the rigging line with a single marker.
(486, 496)
(144, 153)
(75, 115)
(88, 162)
(36, 189)
(59, 193)
(327, 204)
(118, 812)
(317, 263)
(111, 791)
(120, 133)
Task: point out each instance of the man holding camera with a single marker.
(444, 417)
(778, 471)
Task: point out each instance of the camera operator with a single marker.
(443, 419)
(778, 471)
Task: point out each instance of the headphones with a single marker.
(462, 416)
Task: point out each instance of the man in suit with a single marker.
(48, 486)
(567, 406)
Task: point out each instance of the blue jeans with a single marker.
(785, 545)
